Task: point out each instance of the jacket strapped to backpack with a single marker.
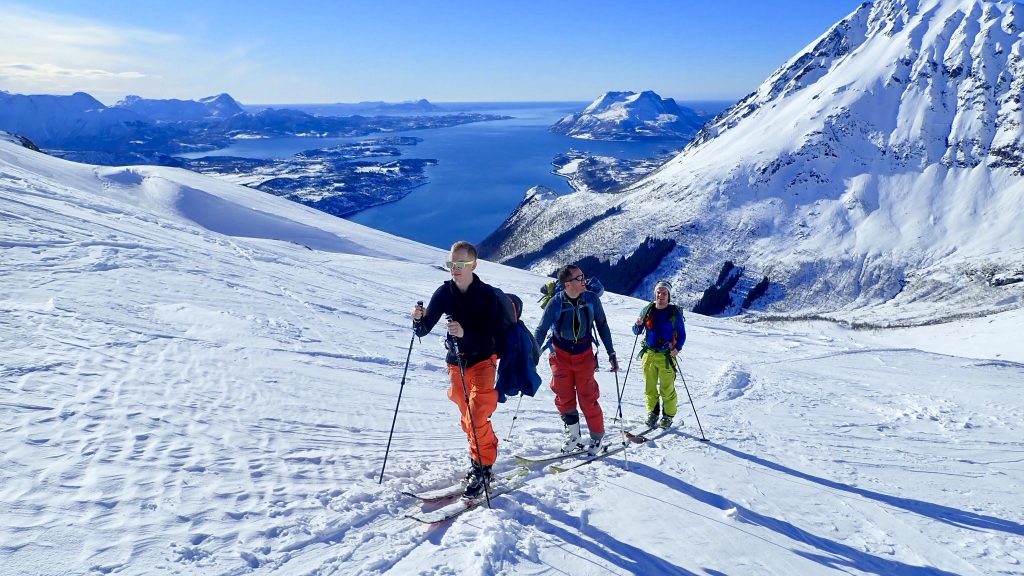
(518, 353)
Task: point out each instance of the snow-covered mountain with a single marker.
(58, 121)
(199, 378)
(883, 164)
(172, 110)
(629, 116)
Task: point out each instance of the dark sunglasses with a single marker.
(577, 278)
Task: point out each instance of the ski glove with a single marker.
(613, 362)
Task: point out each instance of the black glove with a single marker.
(613, 362)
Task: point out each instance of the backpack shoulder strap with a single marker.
(508, 305)
(647, 312)
(588, 307)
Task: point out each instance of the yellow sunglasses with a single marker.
(458, 264)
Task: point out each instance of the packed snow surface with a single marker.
(198, 378)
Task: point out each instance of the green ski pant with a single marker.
(660, 378)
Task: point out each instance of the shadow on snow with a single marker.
(947, 514)
(592, 539)
(835, 555)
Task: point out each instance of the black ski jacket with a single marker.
(477, 310)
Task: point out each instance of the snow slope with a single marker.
(197, 378)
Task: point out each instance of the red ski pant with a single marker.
(572, 379)
(482, 402)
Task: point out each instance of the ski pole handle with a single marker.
(416, 322)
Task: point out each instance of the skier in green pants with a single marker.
(666, 333)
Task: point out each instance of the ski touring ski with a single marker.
(547, 458)
(455, 509)
(614, 448)
(640, 437)
(455, 490)
(637, 437)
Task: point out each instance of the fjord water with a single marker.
(483, 169)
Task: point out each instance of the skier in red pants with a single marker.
(571, 315)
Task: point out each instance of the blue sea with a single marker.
(483, 170)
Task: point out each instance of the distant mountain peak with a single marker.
(631, 115)
(222, 98)
(128, 100)
(174, 110)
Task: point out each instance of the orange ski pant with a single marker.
(572, 379)
(482, 402)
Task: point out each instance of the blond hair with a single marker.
(464, 245)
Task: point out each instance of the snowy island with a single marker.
(591, 173)
(632, 116)
(340, 180)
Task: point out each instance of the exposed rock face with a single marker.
(20, 140)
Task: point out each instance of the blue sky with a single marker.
(350, 51)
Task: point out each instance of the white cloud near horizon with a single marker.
(39, 72)
(51, 53)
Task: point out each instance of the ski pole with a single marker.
(402, 387)
(622, 425)
(626, 379)
(469, 407)
(685, 387)
(514, 416)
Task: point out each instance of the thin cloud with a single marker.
(39, 72)
(33, 26)
(45, 51)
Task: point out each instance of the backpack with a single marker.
(518, 352)
(588, 310)
(548, 292)
(554, 287)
